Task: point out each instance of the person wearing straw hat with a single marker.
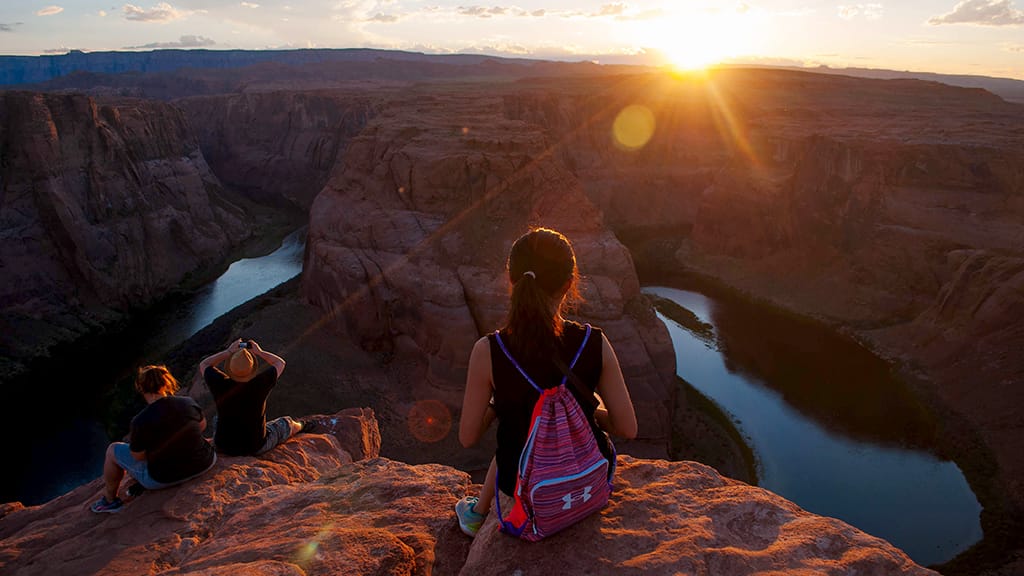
(240, 391)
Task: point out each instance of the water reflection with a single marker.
(241, 282)
(832, 430)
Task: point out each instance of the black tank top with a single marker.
(514, 398)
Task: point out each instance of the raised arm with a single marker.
(617, 417)
(477, 413)
(219, 357)
(273, 359)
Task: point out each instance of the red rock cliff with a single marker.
(104, 208)
(274, 145)
(407, 244)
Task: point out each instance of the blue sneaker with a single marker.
(469, 519)
(107, 506)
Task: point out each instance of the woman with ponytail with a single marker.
(544, 286)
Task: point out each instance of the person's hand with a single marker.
(237, 344)
(254, 346)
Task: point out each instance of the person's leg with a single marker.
(112, 474)
(472, 510)
(483, 503)
(278, 431)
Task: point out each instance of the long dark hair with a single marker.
(545, 284)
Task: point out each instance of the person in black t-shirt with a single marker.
(542, 270)
(166, 441)
(241, 392)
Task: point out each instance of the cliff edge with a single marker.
(307, 508)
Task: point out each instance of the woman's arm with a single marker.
(477, 414)
(617, 416)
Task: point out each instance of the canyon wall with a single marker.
(407, 246)
(105, 208)
(277, 145)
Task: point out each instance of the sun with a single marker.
(693, 39)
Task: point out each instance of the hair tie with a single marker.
(530, 274)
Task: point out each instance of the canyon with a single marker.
(105, 209)
(891, 210)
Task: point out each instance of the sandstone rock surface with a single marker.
(303, 508)
(668, 518)
(306, 508)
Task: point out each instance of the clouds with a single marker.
(616, 9)
(50, 11)
(186, 41)
(162, 12)
(489, 12)
(983, 13)
(610, 10)
(867, 11)
(383, 18)
(482, 12)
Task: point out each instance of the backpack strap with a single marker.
(565, 375)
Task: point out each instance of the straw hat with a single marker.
(241, 364)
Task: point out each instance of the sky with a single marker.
(983, 37)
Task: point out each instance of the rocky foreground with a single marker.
(307, 508)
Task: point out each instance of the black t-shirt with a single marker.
(241, 410)
(514, 398)
(168, 430)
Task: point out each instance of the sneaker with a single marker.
(136, 489)
(107, 506)
(469, 519)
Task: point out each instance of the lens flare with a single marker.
(429, 421)
(633, 127)
(309, 552)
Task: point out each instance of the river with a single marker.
(831, 428)
(63, 447)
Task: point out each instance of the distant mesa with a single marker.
(32, 70)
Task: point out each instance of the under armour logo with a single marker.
(585, 495)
